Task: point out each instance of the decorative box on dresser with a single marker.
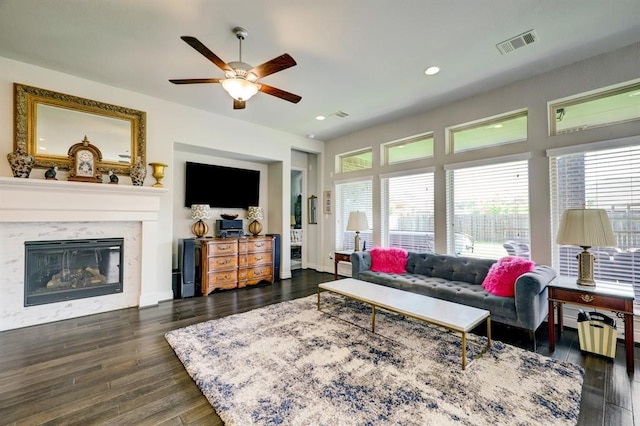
(227, 263)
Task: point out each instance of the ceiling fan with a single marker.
(241, 78)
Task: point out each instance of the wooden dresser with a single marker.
(226, 263)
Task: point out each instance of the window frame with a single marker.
(456, 238)
(385, 147)
(485, 122)
(341, 217)
(385, 236)
(340, 159)
(601, 93)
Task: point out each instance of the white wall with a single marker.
(167, 123)
(533, 93)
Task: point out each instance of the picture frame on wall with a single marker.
(327, 202)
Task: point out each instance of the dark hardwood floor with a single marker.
(116, 367)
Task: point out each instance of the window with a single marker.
(407, 212)
(408, 149)
(605, 108)
(355, 161)
(352, 196)
(489, 132)
(607, 179)
(488, 209)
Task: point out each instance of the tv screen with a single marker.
(221, 186)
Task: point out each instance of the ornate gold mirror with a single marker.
(48, 123)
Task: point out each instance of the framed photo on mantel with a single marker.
(327, 202)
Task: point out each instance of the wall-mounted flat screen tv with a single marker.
(221, 186)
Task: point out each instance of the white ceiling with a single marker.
(364, 57)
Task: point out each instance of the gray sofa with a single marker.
(459, 279)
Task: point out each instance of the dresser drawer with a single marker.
(258, 245)
(590, 299)
(225, 247)
(222, 262)
(259, 272)
(259, 258)
(219, 279)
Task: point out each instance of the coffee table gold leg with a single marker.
(488, 332)
(373, 319)
(464, 350)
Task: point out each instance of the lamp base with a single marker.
(357, 242)
(255, 227)
(585, 268)
(200, 229)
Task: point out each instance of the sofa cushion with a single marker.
(502, 276)
(413, 260)
(388, 259)
(451, 268)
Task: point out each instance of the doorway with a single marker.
(297, 207)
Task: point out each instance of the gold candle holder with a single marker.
(158, 173)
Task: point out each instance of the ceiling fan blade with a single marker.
(279, 93)
(280, 63)
(239, 104)
(195, 80)
(204, 50)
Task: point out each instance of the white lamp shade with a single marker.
(255, 213)
(239, 88)
(586, 228)
(200, 211)
(357, 221)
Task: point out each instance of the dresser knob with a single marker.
(587, 298)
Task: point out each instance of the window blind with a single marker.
(607, 179)
(407, 212)
(488, 210)
(352, 196)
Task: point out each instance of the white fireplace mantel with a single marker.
(49, 209)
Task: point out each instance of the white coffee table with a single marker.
(453, 316)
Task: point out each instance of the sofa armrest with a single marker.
(360, 261)
(531, 296)
(534, 282)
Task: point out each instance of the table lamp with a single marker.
(255, 214)
(200, 212)
(585, 228)
(357, 222)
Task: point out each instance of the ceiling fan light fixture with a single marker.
(239, 88)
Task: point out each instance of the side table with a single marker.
(340, 256)
(604, 296)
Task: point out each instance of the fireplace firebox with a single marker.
(64, 270)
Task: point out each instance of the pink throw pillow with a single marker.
(502, 276)
(391, 260)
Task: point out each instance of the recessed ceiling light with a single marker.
(311, 136)
(320, 117)
(432, 70)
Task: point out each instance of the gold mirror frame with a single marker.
(26, 101)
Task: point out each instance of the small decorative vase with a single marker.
(138, 172)
(21, 163)
(158, 173)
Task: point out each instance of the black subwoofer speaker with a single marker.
(276, 255)
(186, 286)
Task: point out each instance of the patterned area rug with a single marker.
(289, 364)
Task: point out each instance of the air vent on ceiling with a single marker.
(517, 42)
(340, 114)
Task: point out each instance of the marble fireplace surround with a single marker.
(38, 210)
